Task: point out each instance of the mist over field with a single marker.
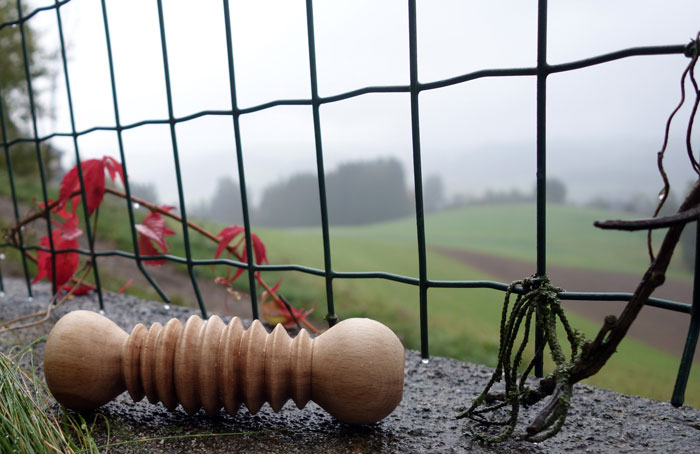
(604, 124)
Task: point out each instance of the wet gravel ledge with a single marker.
(601, 421)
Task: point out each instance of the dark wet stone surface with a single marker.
(434, 393)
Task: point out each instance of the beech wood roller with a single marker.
(354, 370)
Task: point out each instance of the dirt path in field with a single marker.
(661, 328)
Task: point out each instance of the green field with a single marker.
(463, 323)
(509, 231)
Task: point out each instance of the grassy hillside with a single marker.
(510, 231)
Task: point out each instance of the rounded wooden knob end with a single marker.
(82, 360)
(358, 371)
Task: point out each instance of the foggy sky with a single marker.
(604, 125)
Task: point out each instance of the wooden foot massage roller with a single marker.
(354, 370)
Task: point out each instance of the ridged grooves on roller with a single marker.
(213, 365)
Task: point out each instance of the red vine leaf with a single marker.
(94, 179)
(59, 211)
(152, 232)
(274, 311)
(222, 281)
(259, 249)
(227, 235)
(69, 229)
(230, 233)
(228, 280)
(238, 273)
(80, 290)
(113, 167)
(259, 253)
(64, 237)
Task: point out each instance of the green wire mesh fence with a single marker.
(540, 72)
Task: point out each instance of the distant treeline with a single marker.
(360, 192)
(555, 190)
(357, 193)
